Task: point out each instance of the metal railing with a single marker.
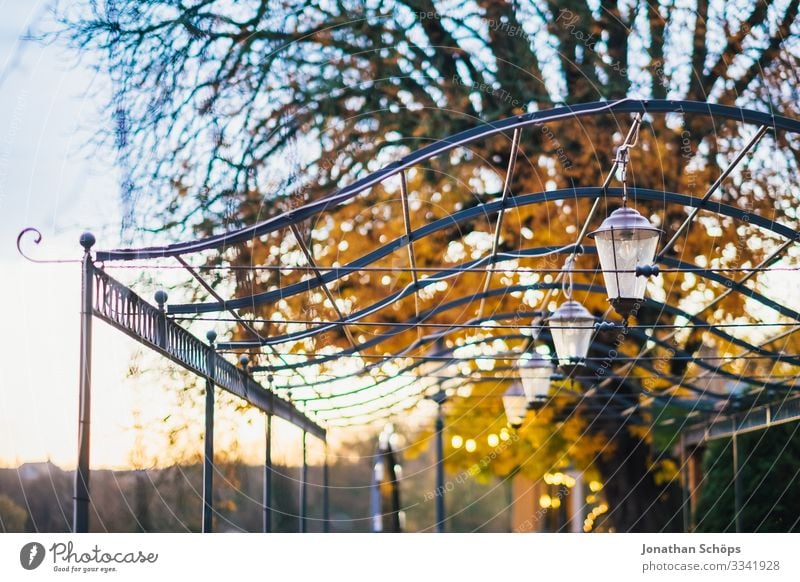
(757, 418)
(120, 307)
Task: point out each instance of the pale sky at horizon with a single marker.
(47, 180)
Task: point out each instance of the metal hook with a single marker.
(36, 240)
(569, 266)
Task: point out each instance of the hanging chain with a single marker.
(566, 282)
(624, 157)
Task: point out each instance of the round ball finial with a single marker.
(87, 240)
(211, 336)
(161, 297)
(244, 360)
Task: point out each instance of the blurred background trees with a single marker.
(769, 478)
(223, 114)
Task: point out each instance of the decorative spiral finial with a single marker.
(36, 240)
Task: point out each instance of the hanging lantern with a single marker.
(625, 240)
(571, 326)
(515, 404)
(535, 374)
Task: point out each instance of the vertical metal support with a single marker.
(304, 488)
(80, 515)
(326, 502)
(695, 479)
(161, 322)
(375, 501)
(577, 502)
(737, 485)
(208, 456)
(684, 480)
(396, 515)
(440, 469)
(267, 524)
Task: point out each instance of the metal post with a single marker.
(326, 503)
(208, 456)
(161, 322)
(267, 525)
(80, 516)
(577, 502)
(304, 488)
(392, 468)
(440, 469)
(375, 501)
(684, 485)
(737, 485)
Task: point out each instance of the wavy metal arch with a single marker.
(486, 209)
(639, 334)
(627, 379)
(634, 332)
(291, 337)
(545, 334)
(482, 131)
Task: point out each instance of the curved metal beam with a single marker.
(295, 336)
(675, 311)
(545, 333)
(486, 209)
(482, 131)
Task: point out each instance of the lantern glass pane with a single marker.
(516, 406)
(535, 377)
(628, 249)
(571, 337)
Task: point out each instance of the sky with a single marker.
(51, 180)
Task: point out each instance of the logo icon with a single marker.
(31, 555)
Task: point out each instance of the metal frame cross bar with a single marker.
(312, 263)
(512, 160)
(713, 188)
(412, 260)
(217, 296)
(757, 418)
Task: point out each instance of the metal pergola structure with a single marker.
(159, 327)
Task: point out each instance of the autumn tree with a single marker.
(226, 113)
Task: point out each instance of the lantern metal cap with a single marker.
(514, 390)
(625, 219)
(571, 310)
